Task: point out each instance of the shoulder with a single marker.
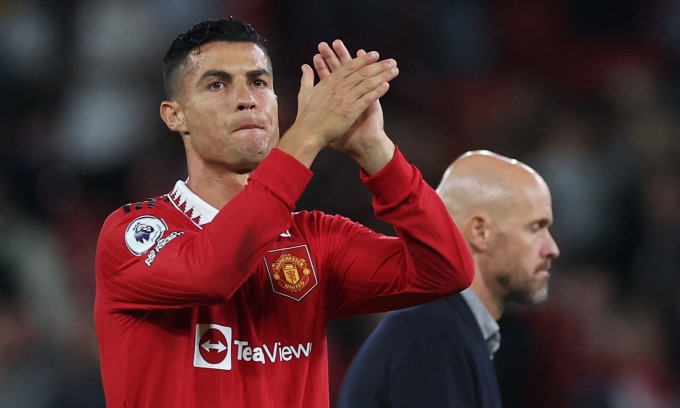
(152, 207)
(141, 223)
(440, 321)
(447, 309)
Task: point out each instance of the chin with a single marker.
(540, 295)
(248, 166)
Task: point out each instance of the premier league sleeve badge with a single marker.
(143, 232)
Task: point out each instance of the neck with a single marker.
(217, 191)
(495, 305)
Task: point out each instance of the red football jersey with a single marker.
(197, 307)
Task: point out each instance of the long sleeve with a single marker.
(427, 260)
(192, 264)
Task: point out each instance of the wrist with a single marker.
(374, 156)
(297, 143)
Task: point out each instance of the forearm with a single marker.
(433, 244)
(428, 261)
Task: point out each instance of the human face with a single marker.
(227, 108)
(522, 249)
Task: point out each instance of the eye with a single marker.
(216, 85)
(259, 83)
(539, 225)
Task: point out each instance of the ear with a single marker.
(173, 117)
(478, 231)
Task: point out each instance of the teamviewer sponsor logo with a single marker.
(213, 349)
(269, 354)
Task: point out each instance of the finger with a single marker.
(386, 70)
(329, 56)
(307, 80)
(358, 63)
(341, 51)
(320, 66)
(372, 96)
(374, 79)
(361, 52)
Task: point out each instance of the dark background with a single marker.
(587, 92)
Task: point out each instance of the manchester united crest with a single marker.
(291, 271)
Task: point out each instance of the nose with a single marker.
(244, 98)
(551, 249)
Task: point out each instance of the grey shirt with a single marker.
(487, 324)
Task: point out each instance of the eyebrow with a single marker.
(224, 74)
(544, 222)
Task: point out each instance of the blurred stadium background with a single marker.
(587, 92)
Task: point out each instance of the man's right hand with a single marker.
(328, 109)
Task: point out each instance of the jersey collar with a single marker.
(192, 205)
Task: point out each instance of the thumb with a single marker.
(306, 86)
(307, 80)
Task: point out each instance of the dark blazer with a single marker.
(432, 355)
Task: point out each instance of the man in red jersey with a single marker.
(217, 294)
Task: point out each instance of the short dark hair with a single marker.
(230, 30)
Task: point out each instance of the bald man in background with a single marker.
(440, 354)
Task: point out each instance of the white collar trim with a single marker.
(192, 205)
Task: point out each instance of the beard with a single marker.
(540, 295)
(527, 291)
(518, 282)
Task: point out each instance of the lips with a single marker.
(248, 123)
(249, 126)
